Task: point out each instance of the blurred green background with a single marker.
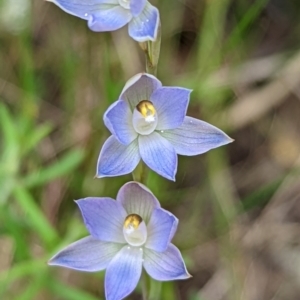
(238, 206)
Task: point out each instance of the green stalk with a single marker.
(152, 51)
(144, 286)
(140, 174)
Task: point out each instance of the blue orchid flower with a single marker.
(149, 122)
(125, 235)
(108, 15)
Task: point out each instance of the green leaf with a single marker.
(58, 169)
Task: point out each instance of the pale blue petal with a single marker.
(137, 199)
(144, 27)
(84, 8)
(171, 105)
(123, 273)
(158, 154)
(118, 119)
(139, 87)
(116, 159)
(161, 229)
(104, 218)
(164, 266)
(195, 137)
(136, 6)
(87, 254)
(109, 19)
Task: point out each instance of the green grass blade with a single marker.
(261, 196)
(10, 142)
(16, 230)
(21, 270)
(35, 216)
(35, 137)
(35, 284)
(58, 169)
(69, 293)
(250, 16)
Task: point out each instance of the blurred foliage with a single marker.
(238, 206)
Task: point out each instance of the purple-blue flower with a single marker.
(125, 235)
(149, 122)
(108, 15)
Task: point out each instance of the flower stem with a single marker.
(155, 290)
(144, 285)
(140, 174)
(152, 51)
